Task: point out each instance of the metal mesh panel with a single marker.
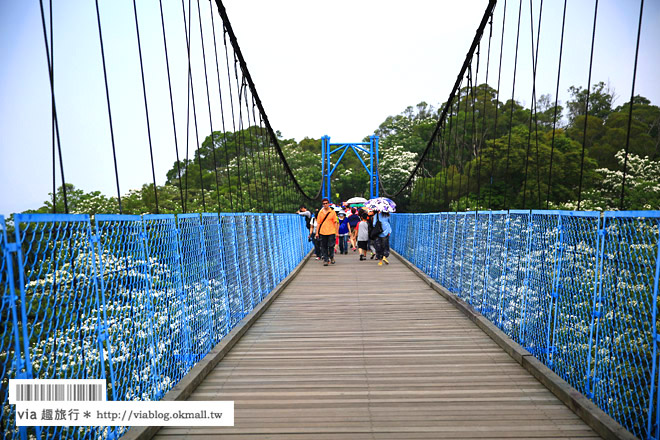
(252, 248)
(128, 302)
(583, 300)
(494, 283)
(453, 256)
(171, 320)
(435, 246)
(465, 256)
(58, 288)
(575, 295)
(244, 252)
(274, 254)
(623, 310)
(9, 348)
(232, 274)
(194, 276)
(139, 302)
(541, 266)
(446, 249)
(260, 259)
(515, 285)
(216, 264)
(480, 244)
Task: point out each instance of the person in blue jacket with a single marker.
(344, 232)
(382, 242)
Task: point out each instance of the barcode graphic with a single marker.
(58, 392)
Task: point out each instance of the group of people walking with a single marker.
(364, 230)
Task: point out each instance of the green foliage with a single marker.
(494, 155)
(488, 155)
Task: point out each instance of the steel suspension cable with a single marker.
(254, 141)
(169, 84)
(251, 144)
(441, 153)
(270, 152)
(513, 101)
(497, 107)
(554, 118)
(146, 107)
(107, 97)
(483, 120)
(458, 113)
(468, 58)
(536, 120)
(632, 98)
(586, 106)
(208, 101)
(51, 77)
(262, 157)
(246, 73)
(222, 112)
(241, 130)
(52, 110)
(233, 119)
(447, 148)
(462, 149)
(533, 109)
(473, 145)
(191, 97)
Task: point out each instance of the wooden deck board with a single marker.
(365, 352)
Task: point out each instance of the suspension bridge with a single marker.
(498, 317)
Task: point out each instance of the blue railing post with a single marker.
(596, 314)
(459, 289)
(328, 186)
(156, 368)
(489, 239)
(474, 257)
(522, 338)
(653, 429)
(376, 173)
(323, 166)
(19, 365)
(554, 304)
(101, 307)
(505, 263)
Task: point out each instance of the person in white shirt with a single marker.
(363, 237)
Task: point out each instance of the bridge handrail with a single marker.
(578, 290)
(136, 300)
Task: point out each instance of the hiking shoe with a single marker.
(325, 263)
(380, 263)
(385, 260)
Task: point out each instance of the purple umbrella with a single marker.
(382, 204)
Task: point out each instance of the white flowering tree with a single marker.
(642, 186)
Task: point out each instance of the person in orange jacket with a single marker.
(326, 231)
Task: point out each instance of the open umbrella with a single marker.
(382, 204)
(356, 200)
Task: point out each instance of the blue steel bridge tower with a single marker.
(369, 149)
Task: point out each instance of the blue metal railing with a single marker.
(136, 300)
(578, 290)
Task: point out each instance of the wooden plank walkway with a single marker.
(357, 351)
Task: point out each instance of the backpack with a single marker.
(376, 230)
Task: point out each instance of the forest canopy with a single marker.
(489, 155)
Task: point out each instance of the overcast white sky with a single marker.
(337, 68)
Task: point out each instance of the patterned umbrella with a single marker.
(382, 204)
